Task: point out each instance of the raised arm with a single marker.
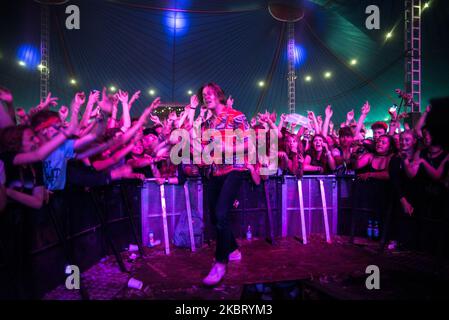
(123, 97)
(131, 132)
(93, 98)
(133, 99)
(7, 116)
(327, 119)
(365, 110)
(422, 121)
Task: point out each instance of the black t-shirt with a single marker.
(21, 178)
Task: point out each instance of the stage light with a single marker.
(151, 92)
(73, 81)
(22, 63)
(353, 62)
(176, 22)
(389, 35)
(261, 83)
(426, 5)
(299, 55)
(327, 74)
(41, 68)
(308, 78)
(29, 54)
(112, 89)
(190, 92)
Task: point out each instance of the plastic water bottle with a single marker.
(369, 230)
(376, 230)
(249, 234)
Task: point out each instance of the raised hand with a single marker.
(283, 117)
(194, 102)
(310, 115)
(366, 108)
(80, 98)
(253, 121)
(94, 96)
(155, 118)
(6, 95)
(328, 111)
(134, 97)
(230, 102)
(156, 103)
(403, 115)
(48, 102)
(122, 96)
(350, 116)
(172, 116)
(63, 113)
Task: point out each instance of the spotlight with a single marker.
(426, 5)
(261, 83)
(389, 35)
(308, 78)
(40, 67)
(327, 74)
(151, 92)
(22, 63)
(353, 62)
(190, 92)
(72, 81)
(112, 89)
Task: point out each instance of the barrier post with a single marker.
(301, 210)
(189, 216)
(325, 217)
(164, 220)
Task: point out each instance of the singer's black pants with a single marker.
(221, 192)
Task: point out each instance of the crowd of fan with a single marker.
(43, 151)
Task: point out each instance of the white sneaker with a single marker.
(215, 275)
(235, 255)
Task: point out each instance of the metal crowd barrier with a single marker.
(294, 208)
(310, 205)
(162, 206)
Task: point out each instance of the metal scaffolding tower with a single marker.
(45, 52)
(412, 30)
(291, 68)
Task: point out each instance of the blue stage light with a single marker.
(300, 55)
(29, 55)
(176, 22)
